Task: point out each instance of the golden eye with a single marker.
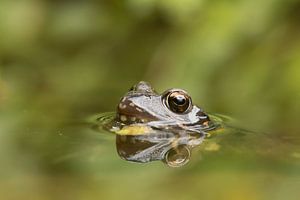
(178, 101)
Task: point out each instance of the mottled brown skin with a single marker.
(142, 105)
(176, 125)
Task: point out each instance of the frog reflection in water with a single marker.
(166, 127)
(152, 126)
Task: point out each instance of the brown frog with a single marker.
(150, 126)
(172, 110)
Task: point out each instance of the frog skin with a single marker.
(150, 126)
(171, 110)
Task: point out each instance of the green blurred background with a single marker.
(62, 61)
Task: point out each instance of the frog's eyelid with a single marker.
(175, 90)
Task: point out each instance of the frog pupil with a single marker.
(179, 100)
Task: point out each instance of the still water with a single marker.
(65, 64)
(103, 156)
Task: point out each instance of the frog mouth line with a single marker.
(169, 126)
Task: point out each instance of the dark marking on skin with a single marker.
(133, 113)
(203, 118)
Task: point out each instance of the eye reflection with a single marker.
(169, 148)
(177, 157)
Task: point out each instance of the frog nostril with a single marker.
(143, 87)
(132, 88)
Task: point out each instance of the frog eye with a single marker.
(178, 101)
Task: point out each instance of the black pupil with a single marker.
(179, 100)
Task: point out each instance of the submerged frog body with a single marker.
(171, 110)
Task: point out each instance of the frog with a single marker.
(143, 109)
(152, 126)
